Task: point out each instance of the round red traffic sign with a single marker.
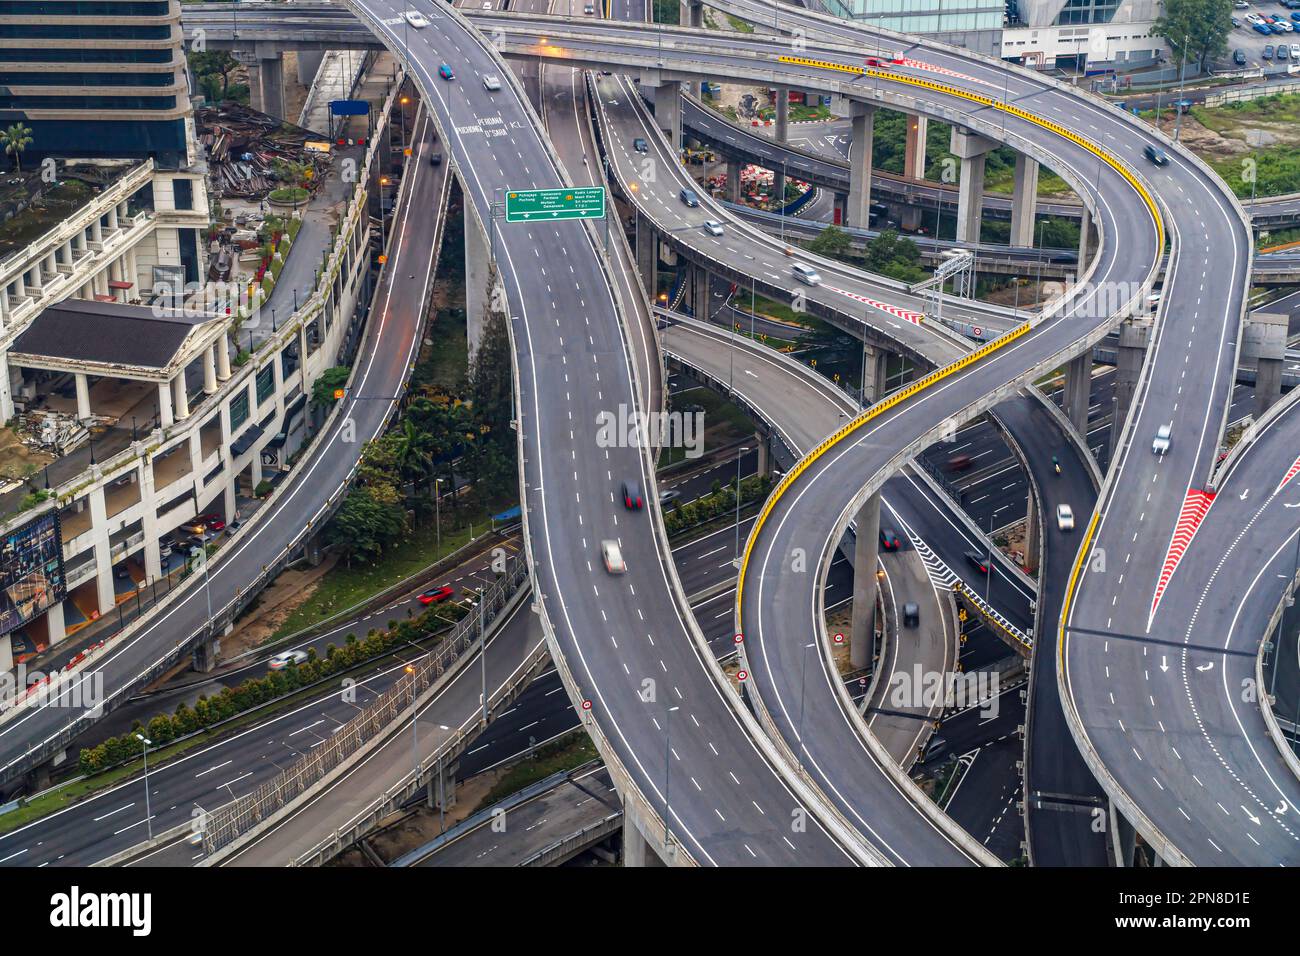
(839, 638)
(979, 333)
(586, 705)
(742, 675)
(739, 639)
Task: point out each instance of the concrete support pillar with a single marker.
(764, 456)
(83, 395)
(478, 279)
(65, 253)
(133, 273)
(1033, 533)
(971, 149)
(668, 111)
(647, 255)
(105, 598)
(181, 401)
(88, 290)
(37, 282)
(6, 390)
(1024, 201)
(165, 404)
(55, 627)
(914, 147)
(444, 787)
(1133, 338)
(115, 274)
(101, 282)
(1078, 392)
(782, 114)
(206, 654)
(309, 62)
(1085, 226)
(733, 181)
(112, 219)
(223, 358)
(875, 362)
(700, 291)
(1264, 342)
(210, 369)
(867, 540)
(270, 81)
(149, 522)
(97, 229)
(859, 202)
(691, 13)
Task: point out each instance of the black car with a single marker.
(888, 539)
(640, 145)
(435, 159)
(632, 496)
(1156, 155)
(690, 197)
(1239, 57)
(911, 614)
(978, 561)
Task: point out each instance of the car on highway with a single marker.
(436, 595)
(1156, 155)
(978, 561)
(690, 197)
(435, 159)
(612, 555)
(936, 747)
(491, 83)
(445, 72)
(589, 9)
(911, 614)
(632, 500)
(713, 227)
(888, 539)
(960, 462)
(1160, 444)
(416, 19)
(285, 659)
(806, 274)
(640, 145)
(668, 495)
(1064, 517)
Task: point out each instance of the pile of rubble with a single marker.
(243, 146)
(56, 433)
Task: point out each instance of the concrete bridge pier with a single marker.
(782, 104)
(637, 850)
(207, 651)
(1078, 388)
(691, 13)
(859, 200)
(875, 368)
(309, 62)
(1024, 201)
(647, 255)
(442, 787)
(481, 281)
(1134, 335)
(1123, 838)
(867, 539)
(914, 147)
(1085, 227)
(268, 92)
(733, 181)
(699, 293)
(971, 149)
(668, 111)
(1265, 342)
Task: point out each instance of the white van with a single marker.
(806, 274)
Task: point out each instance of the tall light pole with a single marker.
(739, 455)
(482, 654)
(437, 511)
(1182, 79)
(802, 684)
(415, 725)
(145, 743)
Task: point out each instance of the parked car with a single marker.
(286, 658)
(1239, 57)
(213, 521)
(1160, 444)
(1267, 52)
(436, 595)
(1282, 52)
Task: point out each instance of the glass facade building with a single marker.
(975, 24)
(96, 78)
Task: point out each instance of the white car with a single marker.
(1254, 18)
(713, 227)
(806, 274)
(1064, 518)
(613, 555)
(1160, 444)
(416, 19)
(491, 83)
(282, 660)
(1295, 51)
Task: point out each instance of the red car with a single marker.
(436, 594)
(213, 522)
(888, 539)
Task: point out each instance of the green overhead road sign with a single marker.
(530, 205)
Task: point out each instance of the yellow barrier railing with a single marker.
(989, 101)
(874, 411)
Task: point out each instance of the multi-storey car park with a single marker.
(863, 809)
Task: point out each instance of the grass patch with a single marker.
(442, 366)
(802, 112)
(42, 216)
(724, 423)
(739, 25)
(345, 586)
(564, 754)
(288, 194)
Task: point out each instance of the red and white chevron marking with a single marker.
(1290, 473)
(1195, 505)
(922, 65)
(907, 315)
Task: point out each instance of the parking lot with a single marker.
(1254, 45)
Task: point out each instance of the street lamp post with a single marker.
(802, 690)
(415, 725)
(1182, 80)
(145, 743)
(437, 512)
(482, 654)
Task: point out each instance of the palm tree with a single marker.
(16, 139)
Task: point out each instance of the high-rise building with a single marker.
(974, 24)
(96, 78)
(1083, 35)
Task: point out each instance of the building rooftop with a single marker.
(110, 335)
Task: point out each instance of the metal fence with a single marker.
(229, 822)
(1251, 93)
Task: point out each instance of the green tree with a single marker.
(1197, 29)
(16, 139)
(896, 256)
(217, 65)
(322, 390)
(364, 525)
(832, 242)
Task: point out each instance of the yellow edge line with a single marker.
(961, 363)
(845, 430)
(1069, 591)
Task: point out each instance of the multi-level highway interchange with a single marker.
(715, 698)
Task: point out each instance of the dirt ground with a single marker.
(419, 828)
(1015, 547)
(17, 461)
(1204, 141)
(286, 593)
